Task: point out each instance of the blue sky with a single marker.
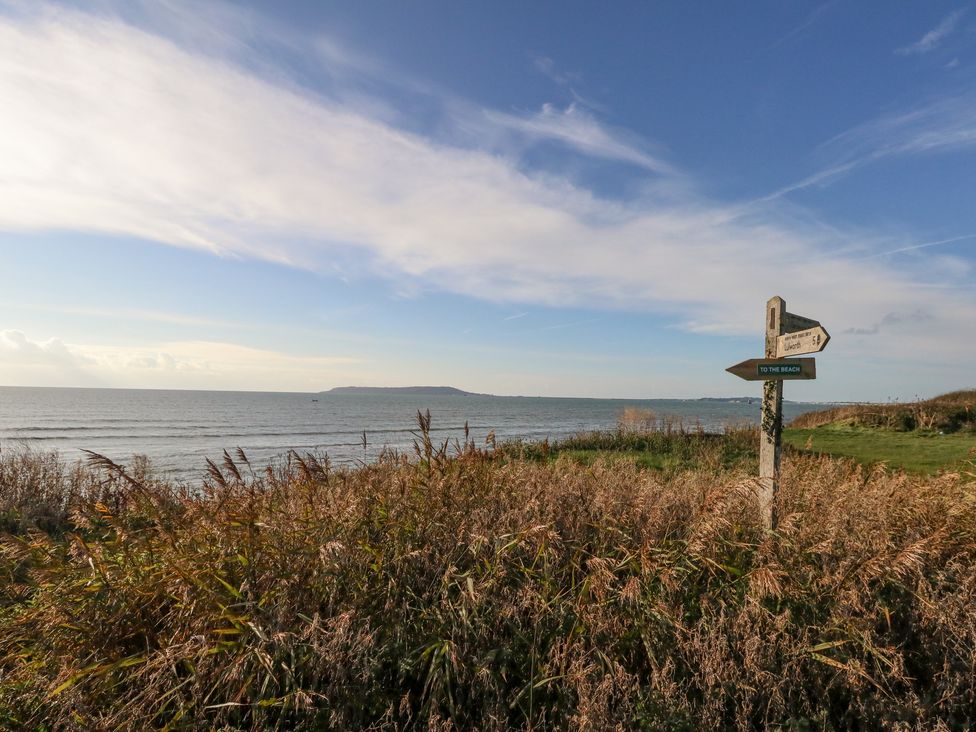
(576, 199)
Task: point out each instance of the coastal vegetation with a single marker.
(923, 436)
(488, 587)
(664, 444)
(947, 413)
(916, 451)
(854, 431)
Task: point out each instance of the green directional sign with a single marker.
(775, 369)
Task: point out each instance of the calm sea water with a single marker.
(178, 430)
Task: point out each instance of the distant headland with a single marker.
(413, 390)
(454, 391)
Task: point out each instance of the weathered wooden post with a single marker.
(786, 334)
(771, 421)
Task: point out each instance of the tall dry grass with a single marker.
(637, 419)
(478, 591)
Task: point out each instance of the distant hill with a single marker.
(413, 390)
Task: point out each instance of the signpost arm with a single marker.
(771, 431)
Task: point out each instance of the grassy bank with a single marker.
(665, 447)
(485, 590)
(915, 451)
(946, 413)
(921, 437)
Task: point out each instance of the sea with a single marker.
(179, 430)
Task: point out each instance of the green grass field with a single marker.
(916, 452)
(924, 453)
(869, 434)
(660, 451)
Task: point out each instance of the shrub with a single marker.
(635, 419)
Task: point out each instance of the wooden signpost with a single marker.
(787, 334)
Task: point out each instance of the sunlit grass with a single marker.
(916, 451)
(476, 588)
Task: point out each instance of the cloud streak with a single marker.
(134, 314)
(931, 40)
(936, 126)
(108, 128)
(922, 245)
(547, 67)
(176, 364)
(579, 130)
(812, 17)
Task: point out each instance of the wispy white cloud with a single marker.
(820, 178)
(944, 124)
(180, 364)
(890, 320)
(547, 67)
(572, 324)
(570, 81)
(922, 245)
(811, 18)
(218, 359)
(933, 38)
(133, 314)
(935, 126)
(577, 128)
(196, 150)
(516, 316)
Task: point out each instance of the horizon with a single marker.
(292, 197)
(733, 397)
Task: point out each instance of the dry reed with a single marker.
(472, 590)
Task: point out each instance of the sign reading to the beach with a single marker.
(812, 340)
(779, 369)
(775, 369)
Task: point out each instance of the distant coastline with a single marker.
(413, 390)
(454, 391)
